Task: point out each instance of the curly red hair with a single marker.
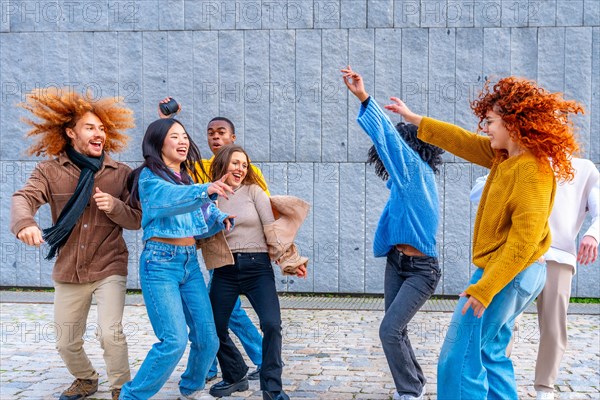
(58, 109)
(538, 120)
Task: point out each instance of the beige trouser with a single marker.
(72, 303)
(552, 305)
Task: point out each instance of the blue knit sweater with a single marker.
(411, 213)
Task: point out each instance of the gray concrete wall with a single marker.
(273, 67)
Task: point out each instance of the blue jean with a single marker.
(473, 362)
(241, 325)
(409, 282)
(176, 299)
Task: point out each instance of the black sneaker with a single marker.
(254, 375)
(224, 388)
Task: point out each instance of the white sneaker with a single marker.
(397, 396)
(544, 395)
(197, 395)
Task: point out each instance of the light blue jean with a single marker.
(241, 325)
(473, 362)
(176, 299)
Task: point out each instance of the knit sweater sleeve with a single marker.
(395, 154)
(528, 237)
(458, 141)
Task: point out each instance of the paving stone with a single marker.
(352, 366)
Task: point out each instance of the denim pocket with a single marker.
(161, 256)
(527, 282)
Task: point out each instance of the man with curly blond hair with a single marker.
(87, 194)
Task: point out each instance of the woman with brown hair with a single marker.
(250, 274)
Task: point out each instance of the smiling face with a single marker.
(219, 134)
(499, 136)
(87, 136)
(238, 166)
(175, 147)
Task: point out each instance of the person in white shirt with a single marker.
(572, 201)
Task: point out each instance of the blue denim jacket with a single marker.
(176, 211)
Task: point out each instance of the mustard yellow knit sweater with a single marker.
(511, 228)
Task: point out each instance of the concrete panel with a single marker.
(308, 101)
(352, 228)
(569, 12)
(524, 52)
(257, 99)
(326, 227)
(206, 86)
(376, 197)
(407, 14)
(457, 227)
(361, 58)
(334, 95)
(301, 184)
(327, 14)
(380, 13)
(551, 58)
(283, 85)
(578, 76)
(353, 14)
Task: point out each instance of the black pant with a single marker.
(409, 282)
(251, 275)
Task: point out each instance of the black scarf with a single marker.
(57, 235)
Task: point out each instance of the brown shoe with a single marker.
(115, 393)
(79, 389)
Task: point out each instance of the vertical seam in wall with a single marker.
(348, 100)
(243, 84)
(564, 52)
(316, 261)
(321, 31)
(218, 71)
(365, 228)
(339, 243)
(269, 87)
(295, 147)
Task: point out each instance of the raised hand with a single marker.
(399, 107)
(165, 101)
(220, 187)
(354, 82)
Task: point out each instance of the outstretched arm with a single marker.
(355, 83)
(396, 155)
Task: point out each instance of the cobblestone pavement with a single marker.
(328, 354)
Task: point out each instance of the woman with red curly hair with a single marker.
(526, 126)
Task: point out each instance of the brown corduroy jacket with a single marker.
(96, 248)
(290, 212)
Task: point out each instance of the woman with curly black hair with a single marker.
(405, 234)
